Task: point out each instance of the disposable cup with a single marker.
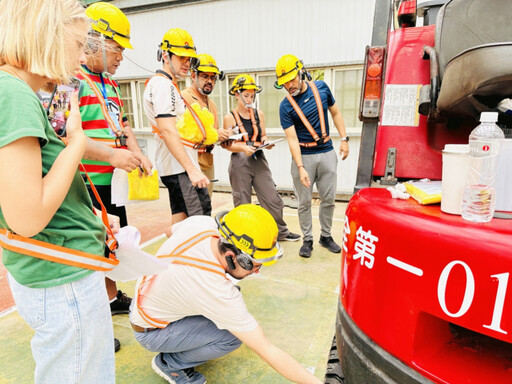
(455, 169)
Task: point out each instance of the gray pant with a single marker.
(321, 169)
(189, 342)
(248, 172)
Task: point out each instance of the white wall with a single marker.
(252, 34)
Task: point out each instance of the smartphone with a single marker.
(57, 104)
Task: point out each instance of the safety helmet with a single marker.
(205, 63)
(253, 231)
(110, 21)
(287, 68)
(179, 42)
(242, 82)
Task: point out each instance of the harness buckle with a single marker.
(121, 140)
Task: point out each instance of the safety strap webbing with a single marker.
(180, 259)
(242, 129)
(199, 146)
(103, 103)
(305, 121)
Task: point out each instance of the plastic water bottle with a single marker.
(479, 198)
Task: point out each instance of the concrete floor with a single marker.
(294, 301)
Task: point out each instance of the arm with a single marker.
(337, 118)
(133, 146)
(28, 200)
(118, 158)
(229, 121)
(293, 143)
(282, 362)
(166, 127)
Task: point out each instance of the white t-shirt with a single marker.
(162, 99)
(181, 290)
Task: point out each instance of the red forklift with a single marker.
(425, 296)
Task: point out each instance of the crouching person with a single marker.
(192, 313)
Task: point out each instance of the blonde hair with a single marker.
(35, 34)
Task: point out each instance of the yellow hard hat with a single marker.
(253, 231)
(205, 63)
(110, 21)
(287, 68)
(242, 82)
(179, 42)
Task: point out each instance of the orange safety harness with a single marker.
(255, 133)
(318, 140)
(58, 254)
(178, 257)
(120, 139)
(199, 146)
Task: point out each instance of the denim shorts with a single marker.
(74, 339)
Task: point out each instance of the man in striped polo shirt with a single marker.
(112, 143)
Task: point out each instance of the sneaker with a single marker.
(329, 243)
(307, 247)
(117, 345)
(121, 305)
(290, 237)
(185, 376)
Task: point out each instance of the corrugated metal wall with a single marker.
(251, 35)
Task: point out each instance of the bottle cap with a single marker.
(489, 117)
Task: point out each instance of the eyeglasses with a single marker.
(205, 77)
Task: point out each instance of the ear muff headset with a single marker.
(243, 259)
(159, 55)
(195, 63)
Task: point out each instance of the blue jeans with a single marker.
(189, 342)
(73, 340)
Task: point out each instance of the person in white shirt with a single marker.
(176, 159)
(192, 313)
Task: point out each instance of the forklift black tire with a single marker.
(333, 373)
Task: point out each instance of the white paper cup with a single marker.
(455, 169)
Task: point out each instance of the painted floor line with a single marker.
(153, 240)
(8, 311)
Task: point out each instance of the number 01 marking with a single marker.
(499, 303)
(469, 294)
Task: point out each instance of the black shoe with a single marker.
(121, 305)
(117, 345)
(329, 243)
(290, 237)
(307, 247)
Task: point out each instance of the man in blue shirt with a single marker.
(303, 115)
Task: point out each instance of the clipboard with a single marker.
(269, 143)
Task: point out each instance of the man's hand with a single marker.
(304, 177)
(344, 149)
(125, 159)
(224, 133)
(146, 165)
(198, 179)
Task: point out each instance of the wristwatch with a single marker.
(346, 138)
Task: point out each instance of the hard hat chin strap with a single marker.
(104, 53)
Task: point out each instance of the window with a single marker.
(346, 89)
(347, 93)
(126, 97)
(269, 99)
